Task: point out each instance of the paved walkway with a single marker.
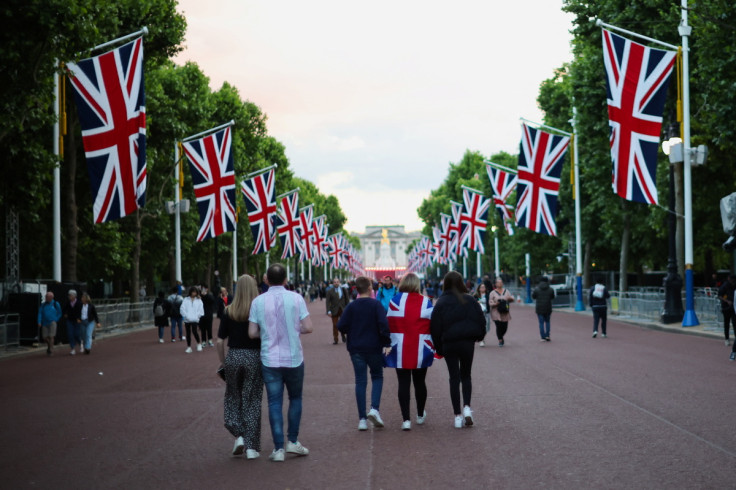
(641, 409)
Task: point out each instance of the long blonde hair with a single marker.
(245, 290)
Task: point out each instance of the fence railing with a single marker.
(644, 303)
(9, 330)
(124, 315)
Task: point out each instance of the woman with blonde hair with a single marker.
(411, 345)
(242, 371)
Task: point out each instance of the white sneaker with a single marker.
(183, 338)
(375, 417)
(406, 425)
(239, 446)
(420, 418)
(468, 414)
(482, 344)
(595, 333)
(251, 454)
(160, 341)
(211, 344)
(73, 352)
(458, 421)
(199, 347)
(189, 350)
(277, 455)
(363, 424)
(296, 448)
(604, 336)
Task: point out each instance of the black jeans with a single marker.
(729, 317)
(501, 328)
(205, 326)
(191, 330)
(459, 359)
(600, 314)
(405, 377)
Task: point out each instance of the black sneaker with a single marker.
(733, 356)
(547, 339)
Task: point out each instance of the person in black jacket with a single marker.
(457, 323)
(87, 321)
(598, 302)
(162, 321)
(72, 313)
(543, 294)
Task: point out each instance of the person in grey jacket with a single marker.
(543, 295)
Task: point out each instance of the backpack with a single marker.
(598, 291)
(175, 306)
(502, 306)
(158, 310)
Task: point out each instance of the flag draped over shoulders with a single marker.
(408, 319)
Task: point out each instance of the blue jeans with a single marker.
(361, 363)
(543, 325)
(174, 323)
(74, 333)
(275, 379)
(87, 328)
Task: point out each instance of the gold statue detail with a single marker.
(384, 234)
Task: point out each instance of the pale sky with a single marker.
(373, 100)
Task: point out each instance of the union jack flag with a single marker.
(475, 219)
(211, 162)
(111, 104)
(636, 83)
(319, 241)
(503, 184)
(306, 247)
(445, 238)
(287, 224)
(411, 342)
(457, 229)
(541, 156)
(260, 202)
(336, 252)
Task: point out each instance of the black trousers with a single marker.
(600, 315)
(501, 328)
(729, 317)
(205, 325)
(405, 377)
(191, 330)
(459, 359)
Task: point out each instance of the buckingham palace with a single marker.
(384, 249)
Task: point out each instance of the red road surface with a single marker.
(641, 409)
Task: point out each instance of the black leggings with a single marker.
(420, 390)
(501, 328)
(191, 330)
(459, 359)
(205, 326)
(728, 317)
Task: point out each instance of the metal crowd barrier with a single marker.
(124, 315)
(10, 330)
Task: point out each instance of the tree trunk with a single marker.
(586, 266)
(69, 201)
(624, 261)
(136, 269)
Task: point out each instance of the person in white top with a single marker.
(191, 311)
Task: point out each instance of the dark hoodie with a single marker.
(456, 320)
(543, 294)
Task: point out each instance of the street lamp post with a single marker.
(497, 270)
(672, 312)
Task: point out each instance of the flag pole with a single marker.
(690, 319)
(545, 126)
(142, 32)
(281, 196)
(472, 190)
(261, 171)
(235, 252)
(57, 179)
(501, 167)
(579, 305)
(209, 131)
(177, 212)
(600, 23)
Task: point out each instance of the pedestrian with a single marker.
(242, 371)
(598, 301)
(457, 323)
(72, 310)
(161, 311)
(279, 317)
(263, 286)
(726, 294)
(386, 291)
(49, 314)
(191, 312)
(223, 299)
(175, 300)
(482, 295)
(336, 302)
(88, 320)
(411, 343)
(543, 296)
(369, 339)
(499, 301)
(205, 323)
